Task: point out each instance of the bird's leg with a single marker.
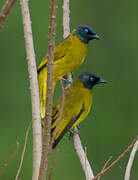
(78, 127)
(66, 81)
(72, 132)
(72, 73)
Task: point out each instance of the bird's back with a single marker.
(69, 54)
(73, 56)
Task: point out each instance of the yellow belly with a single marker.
(77, 97)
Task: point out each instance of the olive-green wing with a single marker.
(60, 52)
(69, 125)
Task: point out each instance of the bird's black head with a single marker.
(89, 79)
(86, 33)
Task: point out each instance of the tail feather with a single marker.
(42, 93)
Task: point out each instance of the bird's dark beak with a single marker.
(95, 36)
(102, 81)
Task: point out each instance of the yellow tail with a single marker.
(42, 77)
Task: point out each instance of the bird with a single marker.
(68, 55)
(77, 104)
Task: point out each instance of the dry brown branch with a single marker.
(53, 165)
(114, 162)
(36, 120)
(105, 165)
(60, 115)
(130, 161)
(66, 32)
(11, 158)
(55, 131)
(5, 11)
(49, 94)
(82, 157)
(24, 148)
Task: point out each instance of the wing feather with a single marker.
(60, 52)
(69, 125)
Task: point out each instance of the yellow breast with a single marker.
(84, 97)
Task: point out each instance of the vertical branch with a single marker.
(49, 94)
(53, 165)
(82, 157)
(60, 115)
(76, 139)
(5, 11)
(66, 19)
(66, 25)
(130, 161)
(36, 121)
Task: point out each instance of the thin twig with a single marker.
(5, 11)
(60, 115)
(53, 165)
(82, 157)
(49, 94)
(105, 165)
(11, 158)
(130, 161)
(114, 162)
(24, 148)
(36, 120)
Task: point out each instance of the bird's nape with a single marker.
(86, 33)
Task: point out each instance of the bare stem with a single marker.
(60, 115)
(36, 120)
(82, 157)
(76, 139)
(130, 161)
(66, 18)
(49, 94)
(53, 165)
(5, 11)
(105, 165)
(10, 159)
(24, 148)
(114, 162)
(66, 25)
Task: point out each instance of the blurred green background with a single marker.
(112, 123)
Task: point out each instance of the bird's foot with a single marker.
(75, 131)
(67, 81)
(78, 127)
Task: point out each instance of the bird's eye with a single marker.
(91, 79)
(86, 30)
